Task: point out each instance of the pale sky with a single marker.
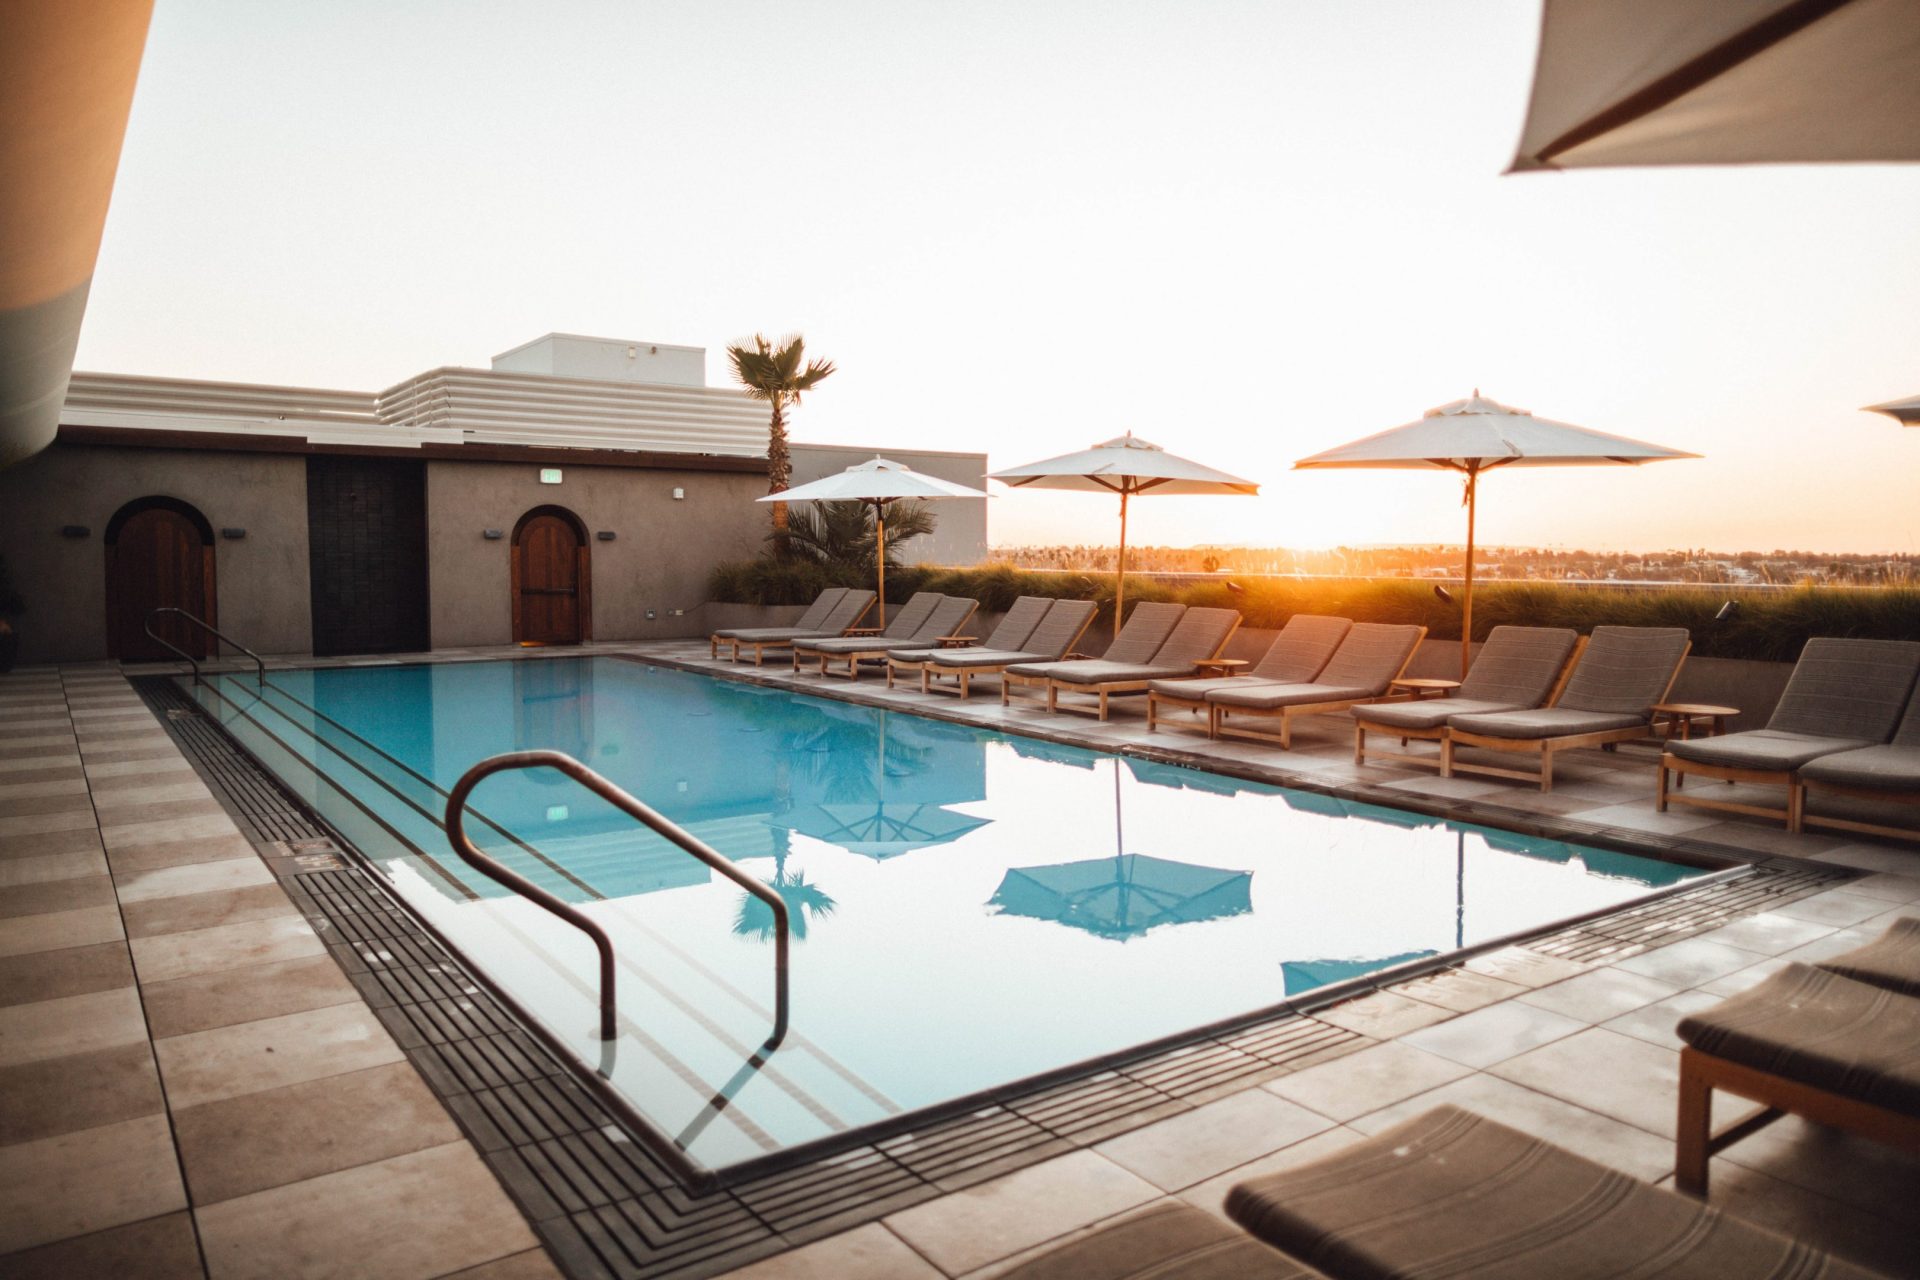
(1246, 231)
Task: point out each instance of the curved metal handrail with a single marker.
(259, 665)
(485, 865)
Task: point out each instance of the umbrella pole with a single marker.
(880, 528)
(1120, 578)
(1466, 608)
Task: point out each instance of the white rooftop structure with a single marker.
(558, 391)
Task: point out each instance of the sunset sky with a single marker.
(1247, 231)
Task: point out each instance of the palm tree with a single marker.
(774, 373)
(841, 534)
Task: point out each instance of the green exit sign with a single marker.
(549, 475)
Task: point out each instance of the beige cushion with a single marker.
(1891, 960)
(1166, 1242)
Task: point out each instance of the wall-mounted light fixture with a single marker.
(679, 495)
(605, 535)
(549, 475)
(75, 531)
(492, 535)
(233, 535)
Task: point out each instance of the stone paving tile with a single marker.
(52, 930)
(1366, 1081)
(74, 783)
(258, 1140)
(162, 1248)
(210, 822)
(1383, 1015)
(1523, 967)
(41, 844)
(1198, 1144)
(56, 866)
(1836, 908)
(1741, 979)
(87, 1180)
(1655, 1022)
(1617, 1075)
(1872, 857)
(174, 853)
(248, 1057)
(109, 777)
(1689, 963)
(1599, 995)
(1854, 1234)
(112, 801)
(191, 878)
(195, 911)
(988, 1222)
(228, 996)
(68, 971)
(1459, 990)
(1769, 933)
(44, 1098)
(865, 1253)
(1858, 1171)
(76, 818)
(71, 894)
(531, 1265)
(230, 946)
(1493, 1034)
(1211, 1195)
(408, 1217)
(71, 1024)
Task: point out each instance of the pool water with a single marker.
(970, 908)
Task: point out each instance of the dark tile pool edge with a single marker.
(604, 1207)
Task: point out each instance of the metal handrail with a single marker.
(485, 865)
(259, 665)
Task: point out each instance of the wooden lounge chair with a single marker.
(1454, 1194)
(1053, 640)
(1808, 1042)
(1610, 697)
(1199, 635)
(1844, 695)
(1298, 654)
(1362, 669)
(1517, 669)
(808, 623)
(944, 618)
(1146, 629)
(1889, 774)
(842, 617)
(1449, 1195)
(1015, 625)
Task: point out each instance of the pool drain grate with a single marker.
(608, 1210)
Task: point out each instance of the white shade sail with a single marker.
(1127, 464)
(1478, 434)
(1659, 82)
(877, 480)
(1905, 412)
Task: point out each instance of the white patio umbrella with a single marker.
(1724, 82)
(1130, 467)
(879, 483)
(1476, 435)
(1905, 412)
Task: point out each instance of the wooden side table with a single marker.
(957, 642)
(1684, 714)
(1221, 666)
(1421, 687)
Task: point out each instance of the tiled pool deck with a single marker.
(189, 1085)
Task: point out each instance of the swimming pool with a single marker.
(970, 908)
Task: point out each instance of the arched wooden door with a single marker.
(159, 553)
(552, 586)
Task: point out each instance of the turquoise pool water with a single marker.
(972, 907)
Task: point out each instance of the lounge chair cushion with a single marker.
(809, 623)
(956, 658)
(1844, 688)
(1895, 769)
(1263, 695)
(1821, 1029)
(1197, 690)
(1519, 665)
(1544, 722)
(1148, 627)
(1100, 671)
(1372, 654)
(1165, 1242)
(1625, 670)
(1765, 750)
(1891, 960)
(1452, 1194)
(1301, 651)
(1427, 713)
(773, 635)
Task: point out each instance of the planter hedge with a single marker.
(1770, 626)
